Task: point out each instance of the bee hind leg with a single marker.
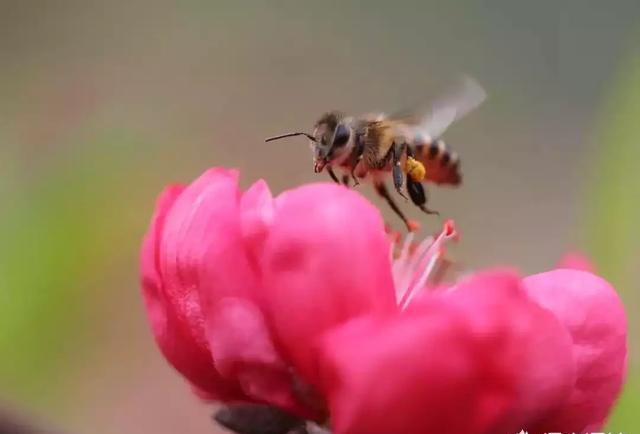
(398, 176)
(381, 189)
(418, 196)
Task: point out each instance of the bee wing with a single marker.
(433, 122)
(466, 97)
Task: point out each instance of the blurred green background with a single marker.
(102, 103)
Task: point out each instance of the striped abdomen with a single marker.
(441, 163)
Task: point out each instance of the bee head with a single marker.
(331, 134)
(329, 140)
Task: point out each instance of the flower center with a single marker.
(415, 264)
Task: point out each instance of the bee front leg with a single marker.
(418, 195)
(398, 176)
(355, 158)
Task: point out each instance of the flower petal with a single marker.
(256, 214)
(204, 260)
(202, 234)
(326, 260)
(474, 352)
(594, 316)
(575, 261)
(533, 342)
(214, 281)
(148, 258)
(412, 375)
(242, 348)
(238, 333)
(175, 337)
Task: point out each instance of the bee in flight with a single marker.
(407, 146)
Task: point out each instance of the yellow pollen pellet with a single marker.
(415, 169)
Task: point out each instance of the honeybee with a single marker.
(407, 146)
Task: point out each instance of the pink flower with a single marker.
(237, 285)
(294, 301)
(491, 354)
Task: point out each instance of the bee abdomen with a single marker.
(437, 151)
(441, 163)
(454, 159)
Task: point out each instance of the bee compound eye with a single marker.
(342, 135)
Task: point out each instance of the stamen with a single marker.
(432, 260)
(404, 253)
(411, 272)
(404, 271)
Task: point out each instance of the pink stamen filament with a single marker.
(423, 261)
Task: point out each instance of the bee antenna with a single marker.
(283, 136)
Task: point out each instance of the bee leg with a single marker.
(356, 182)
(418, 196)
(345, 180)
(332, 174)
(381, 189)
(398, 180)
(356, 156)
(398, 176)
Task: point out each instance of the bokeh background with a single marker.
(103, 103)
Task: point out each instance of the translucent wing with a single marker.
(433, 122)
(467, 96)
